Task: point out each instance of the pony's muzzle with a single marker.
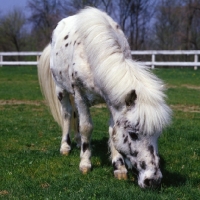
(152, 183)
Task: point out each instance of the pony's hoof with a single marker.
(120, 175)
(65, 153)
(65, 149)
(85, 170)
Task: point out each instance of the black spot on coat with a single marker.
(135, 153)
(151, 149)
(85, 146)
(60, 96)
(143, 165)
(68, 140)
(126, 139)
(66, 37)
(118, 164)
(118, 123)
(127, 124)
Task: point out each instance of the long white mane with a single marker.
(116, 73)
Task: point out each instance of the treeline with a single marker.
(148, 24)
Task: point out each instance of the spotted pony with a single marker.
(89, 61)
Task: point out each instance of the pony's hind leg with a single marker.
(75, 123)
(120, 171)
(85, 128)
(66, 110)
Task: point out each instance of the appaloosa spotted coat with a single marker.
(90, 61)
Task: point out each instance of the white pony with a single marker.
(89, 59)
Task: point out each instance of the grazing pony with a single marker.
(89, 60)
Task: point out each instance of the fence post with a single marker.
(1, 60)
(152, 60)
(195, 60)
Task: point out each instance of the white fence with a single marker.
(4, 54)
(153, 63)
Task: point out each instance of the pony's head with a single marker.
(139, 152)
(138, 146)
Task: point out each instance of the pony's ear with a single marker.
(130, 98)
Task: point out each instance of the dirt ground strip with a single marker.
(178, 107)
(194, 87)
(19, 102)
(184, 108)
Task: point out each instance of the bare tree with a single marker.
(108, 5)
(178, 25)
(79, 4)
(12, 30)
(190, 22)
(44, 16)
(167, 25)
(70, 7)
(134, 18)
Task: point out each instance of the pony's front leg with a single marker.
(66, 110)
(120, 171)
(85, 128)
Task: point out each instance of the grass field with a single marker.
(31, 166)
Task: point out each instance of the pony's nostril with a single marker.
(152, 182)
(147, 182)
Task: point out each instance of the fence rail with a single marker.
(154, 63)
(4, 54)
(151, 63)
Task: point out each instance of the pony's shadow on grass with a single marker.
(171, 178)
(100, 149)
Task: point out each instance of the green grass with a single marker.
(31, 166)
(19, 84)
(178, 77)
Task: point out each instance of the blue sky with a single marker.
(8, 5)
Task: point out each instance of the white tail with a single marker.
(47, 85)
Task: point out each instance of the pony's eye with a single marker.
(133, 135)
